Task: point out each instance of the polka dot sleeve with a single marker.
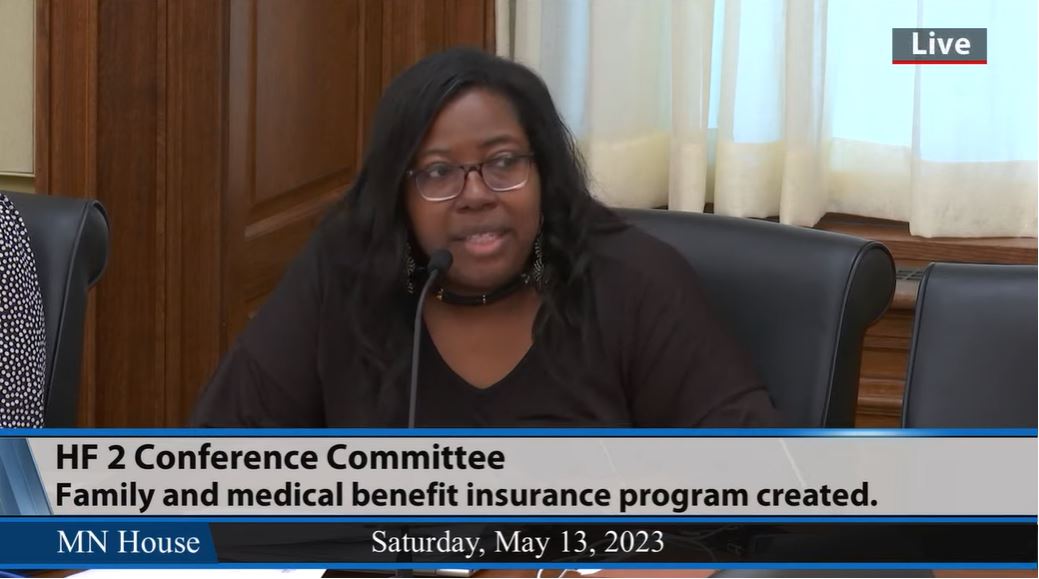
(22, 338)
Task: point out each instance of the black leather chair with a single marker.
(69, 239)
(798, 299)
(972, 363)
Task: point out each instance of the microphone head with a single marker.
(440, 260)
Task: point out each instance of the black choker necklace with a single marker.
(508, 289)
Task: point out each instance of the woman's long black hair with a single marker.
(372, 221)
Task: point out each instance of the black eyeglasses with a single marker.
(444, 181)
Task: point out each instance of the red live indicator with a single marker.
(939, 62)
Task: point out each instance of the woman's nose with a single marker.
(475, 192)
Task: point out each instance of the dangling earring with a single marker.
(537, 270)
(409, 269)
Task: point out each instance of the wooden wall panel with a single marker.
(65, 132)
(66, 52)
(306, 92)
(194, 175)
(241, 161)
(469, 22)
(131, 313)
(217, 134)
(884, 359)
(370, 69)
(295, 93)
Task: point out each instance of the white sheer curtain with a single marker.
(793, 108)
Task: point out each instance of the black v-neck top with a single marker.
(661, 359)
(527, 396)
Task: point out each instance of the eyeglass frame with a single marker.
(469, 168)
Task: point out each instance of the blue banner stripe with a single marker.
(545, 565)
(530, 432)
(524, 519)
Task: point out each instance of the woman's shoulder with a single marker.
(10, 220)
(330, 251)
(631, 256)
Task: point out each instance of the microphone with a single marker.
(439, 262)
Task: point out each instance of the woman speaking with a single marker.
(551, 312)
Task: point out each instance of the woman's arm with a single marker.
(688, 370)
(269, 378)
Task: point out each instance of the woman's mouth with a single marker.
(483, 244)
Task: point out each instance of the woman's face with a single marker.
(489, 234)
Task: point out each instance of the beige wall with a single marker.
(16, 95)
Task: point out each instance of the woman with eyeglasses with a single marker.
(554, 312)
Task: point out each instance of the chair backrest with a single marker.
(69, 240)
(798, 299)
(973, 359)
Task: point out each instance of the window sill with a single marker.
(912, 251)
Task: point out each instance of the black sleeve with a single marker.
(269, 377)
(687, 370)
